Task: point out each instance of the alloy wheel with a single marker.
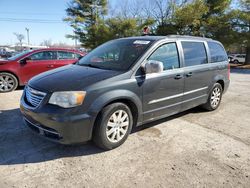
(117, 126)
(215, 97)
(6, 83)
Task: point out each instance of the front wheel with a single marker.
(113, 126)
(214, 98)
(8, 82)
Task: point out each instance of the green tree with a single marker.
(209, 18)
(217, 7)
(189, 19)
(85, 17)
(87, 20)
(119, 27)
(203, 18)
(241, 25)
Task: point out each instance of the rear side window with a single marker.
(194, 53)
(65, 55)
(217, 52)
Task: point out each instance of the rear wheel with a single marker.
(214, 98)
(236, 61)
(8, 82)
(113, 126)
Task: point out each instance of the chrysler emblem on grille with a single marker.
(33, 96)
(35, 92)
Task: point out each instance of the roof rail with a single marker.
(189, 37)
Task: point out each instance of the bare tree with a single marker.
(159, 10)
(46, 43)
(20, 38)
(128, 9)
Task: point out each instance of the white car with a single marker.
(237, 58)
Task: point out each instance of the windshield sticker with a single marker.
(141, 42)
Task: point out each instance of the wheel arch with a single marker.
(126, 97)
(221, 79)
(222, 83)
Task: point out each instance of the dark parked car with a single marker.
(125, 83)
(17, 70)
(6, 54)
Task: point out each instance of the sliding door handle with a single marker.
(50, 66)
(178, 76)
(189, 74)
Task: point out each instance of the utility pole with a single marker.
(75, 41)
(28, 35)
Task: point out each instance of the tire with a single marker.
(8, 82)
(236, 61)
(113, 125)
(214, 98)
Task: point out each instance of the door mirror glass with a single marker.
(153, 66)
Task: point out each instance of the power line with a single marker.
(30, 13)
(30, 20)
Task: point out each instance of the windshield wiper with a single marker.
(94, 66)
(89, 65)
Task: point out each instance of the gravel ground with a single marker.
(191, 149)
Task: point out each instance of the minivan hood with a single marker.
(70, 78)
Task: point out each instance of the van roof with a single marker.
(155, 38)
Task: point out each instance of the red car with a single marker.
(17, 70)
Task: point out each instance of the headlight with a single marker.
(67, 99)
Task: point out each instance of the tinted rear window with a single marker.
(65, 55)
(194, 53)
(217, 52)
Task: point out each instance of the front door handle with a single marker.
(189, 74)
(50, 66)
(178, 76)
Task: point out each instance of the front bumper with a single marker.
(64, 128)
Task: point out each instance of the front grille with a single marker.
(33, 97)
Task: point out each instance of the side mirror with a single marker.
(153, 66)
(24, 61)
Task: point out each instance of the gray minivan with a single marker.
(125, 83)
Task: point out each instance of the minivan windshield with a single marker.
(116, 55)
(19, 55)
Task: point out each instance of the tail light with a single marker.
(228, 71)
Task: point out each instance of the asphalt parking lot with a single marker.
(192, 149)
